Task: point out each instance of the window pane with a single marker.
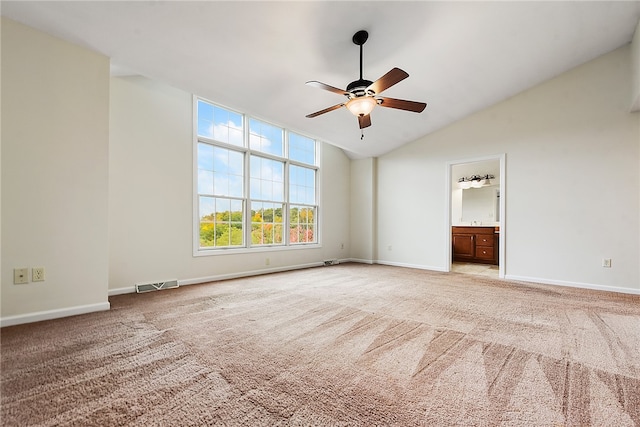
(236, 222)
(235, 136)
(207, 222)
(254, 185)
(302, 185)
(205, 169)
(220, 184)
(266, 223)
(236, 186)
(207, 208)
(220, 222)
(220, 171)
(220, 124)
(220, 132)
(220, 160)
(205, 156)
(301, 224)
(236, 163)
(265, 137)
(205, 182)
(278, 192)
(267, 179)
(302, 149)
(205, 119)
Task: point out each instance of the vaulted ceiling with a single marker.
(255, 57)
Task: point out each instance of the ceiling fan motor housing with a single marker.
(359, 88)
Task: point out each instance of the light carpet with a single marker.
(346, 345)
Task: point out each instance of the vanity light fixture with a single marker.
(475, 181)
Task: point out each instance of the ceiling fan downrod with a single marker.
(360, 38)
(358, 87)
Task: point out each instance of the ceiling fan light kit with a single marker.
(361, 106)
(363, 95)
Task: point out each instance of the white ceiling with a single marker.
(256, 56)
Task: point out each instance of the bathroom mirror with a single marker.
(480, 206)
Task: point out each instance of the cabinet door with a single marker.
(463, 246)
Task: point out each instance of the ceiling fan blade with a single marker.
(385, 82)
(326, 110)
(320, 85)
(401, 104)
(364, 121)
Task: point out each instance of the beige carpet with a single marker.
(346, 345)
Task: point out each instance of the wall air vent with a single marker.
(157, 286)
(331, 262)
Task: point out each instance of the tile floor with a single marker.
(477, 269)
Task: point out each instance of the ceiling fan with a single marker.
(363, 95)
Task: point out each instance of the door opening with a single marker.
(476, 216)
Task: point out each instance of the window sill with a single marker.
(239, 251)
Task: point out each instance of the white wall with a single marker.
(55, 101)
(572, 183)
(150, 195)
(635, 68)
(363, 210)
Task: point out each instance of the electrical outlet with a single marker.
(20, 276)
(606, 262)
(37, 274)
(267, 261)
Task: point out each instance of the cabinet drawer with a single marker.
(484, 252)
(482, 240)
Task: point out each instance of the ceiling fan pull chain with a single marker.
(361, 134)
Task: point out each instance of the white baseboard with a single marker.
(417, 266)
(120, 291)
(240, 274)
(359, 260)
(53, 314)
(218, 277)
(572, 284)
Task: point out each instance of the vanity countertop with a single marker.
(496, 228)
(476, 225)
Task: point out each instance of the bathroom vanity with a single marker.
(475, 244)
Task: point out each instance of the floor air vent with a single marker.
(331, 262)
(148, 287)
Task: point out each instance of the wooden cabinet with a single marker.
(475, 244)
(463, 247)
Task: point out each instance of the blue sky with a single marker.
(220, 170)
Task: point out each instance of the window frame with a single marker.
(247, 152)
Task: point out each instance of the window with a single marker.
(256, 183)
(267, 200)
(220, 194)
(302, 184)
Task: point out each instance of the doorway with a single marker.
(476, 208)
